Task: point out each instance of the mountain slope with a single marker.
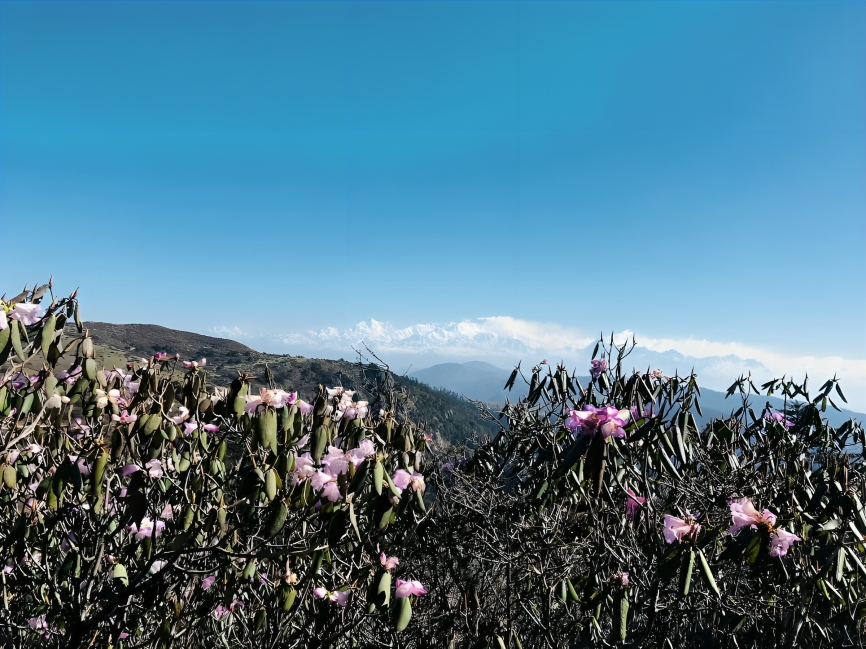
(447, 414)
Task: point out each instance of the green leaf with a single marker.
(622, 617)
(47, 334)
(271, 484)
(276, 519)
(839, 392)
(753, 549)
(383, 590)
(686, 569)
(708, 573)
(404, 614)
(120, 573)
(15, 336)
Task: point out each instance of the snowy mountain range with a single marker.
(505, 341)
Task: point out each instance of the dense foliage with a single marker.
(141, 510)
(145, 506)
(604, 515)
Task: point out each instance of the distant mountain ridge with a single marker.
(483, 381)
(447, 414)
(501, 340)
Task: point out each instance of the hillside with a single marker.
(447, 414)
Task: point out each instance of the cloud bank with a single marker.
(504, 340)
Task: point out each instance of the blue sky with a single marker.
(684, 170)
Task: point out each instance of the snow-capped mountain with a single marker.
(505, 341)
(502, 340)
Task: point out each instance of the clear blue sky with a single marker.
(681, 169)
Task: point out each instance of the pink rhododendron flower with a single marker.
(210, 428)
(277, 398)
(332, 492)
(677, 529)
(416, 480)
(221, 611)
(129, 469)
(37, 623)
(403, 479)
(327, 483)
(365, 449)
(303, 407)
(189, 426)
(25, 312)
(598, 368)
(357, 410)
(207, 582)
(72, 375)
(182, 416)
(633, 505)
(335, 462)
(621, 577)
(339, 597)
(253, 403)
(412, 587)
(781, 541)
(147, 529)
(389, 563)
(591, 420)
(167, 512)
(319, 479)
(124, 417)
(195, 364)
(154, 468)
(304, 467)
(780, 418)
(156, 566)
(744, 514)
(54, 402)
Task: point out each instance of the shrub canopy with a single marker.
(144, 506)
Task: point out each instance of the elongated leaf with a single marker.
(708, 573)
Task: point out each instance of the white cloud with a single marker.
(504, 339)
(229, 332)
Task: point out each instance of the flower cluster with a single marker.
(598, 367)
(272, 398)
(608, 421)
(344, 407)
(333, 464)
(26, 313)
(744, 514)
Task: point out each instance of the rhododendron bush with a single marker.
(604, 515)
(144, 506)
